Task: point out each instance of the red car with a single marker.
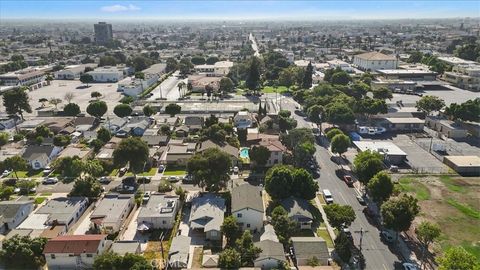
(348, 179)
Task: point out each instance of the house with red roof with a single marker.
(74, 251)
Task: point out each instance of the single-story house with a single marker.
(105, 154)
(179, 252)
(154, 140)
(111, 212)
(391, 152)
(177, 154)
(207, 214)
(464, 165)
(298, 210)
(74, 251)
(39, 156)
(194, 123)
(9, 122)
(85, 123)
(447, 128)
(247, 207)
(243, 119)
(403, 124)
(159, 212)
(72, 151)
(272, 254)
(12, 213)
(306, 248)
(115, 124)
(232, 151)
(57, 124)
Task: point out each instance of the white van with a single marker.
(327, 195)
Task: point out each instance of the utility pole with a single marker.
(361, 232)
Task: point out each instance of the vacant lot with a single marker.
(451, 202)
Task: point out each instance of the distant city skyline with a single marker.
(235, 10)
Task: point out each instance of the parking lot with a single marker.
(454, 95)
(59, 88)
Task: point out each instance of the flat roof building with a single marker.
(464, 165)
(391, 152)
(103, 33)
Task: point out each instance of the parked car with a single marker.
(49, 180)
(122, 171)
(187, 179)
(104, 180)
(348, 233)
(348, 180)
(173, 179)
(161, 168)
(47, 171)
(235, 170)
(387, 236)
(146, 197)
(6, 173)
(410, 266)
(368, 212)
(144, 179)
(361, 200)
(327, 195)
(394, 168)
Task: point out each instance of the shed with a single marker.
(464, 165)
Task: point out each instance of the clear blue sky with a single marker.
(196, 9)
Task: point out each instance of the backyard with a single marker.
(271, 89)
(453, 203)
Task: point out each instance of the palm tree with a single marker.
(180, 86)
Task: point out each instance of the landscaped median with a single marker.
(150, 89)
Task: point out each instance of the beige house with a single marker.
(372, 61)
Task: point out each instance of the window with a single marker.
(248, 225)
(89, 255)
(239, 215)
(52, 256)
(213, 233)
(164, 222)
(70, 255)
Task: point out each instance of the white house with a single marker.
(72, 72)
(74, 251)
(219, 69)
(372, 61)
(12, 213)
(243, 119)
(159, 212)
(247, 207)
(107, 74)
(39, 156)
(110, 213)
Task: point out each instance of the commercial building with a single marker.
(74, 251)
(103, 33)
(403, 124)
(391, 152)
(333, 64)
(108, 74)
(465, 76)
(445, 127)
(408, 74)
(372, 61)
(72, 72)
(464, 165)
(219, 69)
(134, 86)
(32, 77)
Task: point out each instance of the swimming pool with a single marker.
(244, 152)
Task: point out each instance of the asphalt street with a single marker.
(377, 254)
(168, 88)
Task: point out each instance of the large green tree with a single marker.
(367, 164)
(86, 186)
(248, 252)
(467, 111)
(382, 93)
(343, 247)
(172, 109)
(229, 259)
(210, 168)
(226, 85)
(339, 215)
(333, 132)
(122, 110)
(278, 182)
(15, 163)
(23, 252)
(110, 260)
(86, 78)
(284, 226)
(71, 109)
(429, 104)
(132, 151)
(97, 108)
(380, 187)
(340, 144)
(339, 114)
(459, 259)
(253, 73)
(104, 135)
(230, 230)
(16, 102)
(4, 136)
(398, 213)
(259, 155)
(427, 232)
(307, 79)
(303, 185)
(148, 110)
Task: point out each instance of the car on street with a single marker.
(348, 233)
(368, 213)
(16, 190)
(144, 180)
(173, 179)
(49, 180)
(387, 236)
(327, 195)
(47, 171)
(161, 168)
(104, 180)
(361, 200)
(410, 266)
(348, 180)
(122, 171)
(235, 170)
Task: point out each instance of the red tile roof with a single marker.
(75, 244)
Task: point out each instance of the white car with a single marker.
(235, 169)
(50, 180)
(6, 173)
(16, 190)
(146, 196)
(173, 179)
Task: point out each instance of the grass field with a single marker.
(451, 202)
(174, 171)
(323, 233)
(271, 89)
(151, 172)
(29, 174)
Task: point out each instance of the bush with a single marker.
(164, 186)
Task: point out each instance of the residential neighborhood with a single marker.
(139, 140)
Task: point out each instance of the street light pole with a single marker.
(361, 232)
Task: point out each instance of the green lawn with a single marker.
(452, 184)
(114, 172)
(271, 89)
(323, 233)
(174, 171)
(408, 184)
(464, 208)
(28, 174)
(151, 172)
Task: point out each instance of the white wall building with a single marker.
(340, 64)
(112, 211)
(74, 251)
(72, 72)
(220, 68)
(159, 212)
(108, 74)
(372, 61)
(247, 207)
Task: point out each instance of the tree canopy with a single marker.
(367, 164)
(23, 252)
(399, 212)
(122, 110)
(86, 186)
(172, 109)
(210, 168)
(429, 104)
(340, 144)
(467, 111)
(380, 187)
(339, 215)
(259, 155)
(132, 151)
(110, 260)
(230, 230)
(283, 181)
(459, 259)
(97, 108)
(71, 109)
(16, 102)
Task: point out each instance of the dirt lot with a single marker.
(453, 203)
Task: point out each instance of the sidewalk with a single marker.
(330, 230)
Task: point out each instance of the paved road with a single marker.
(376, 253)
(254, 45)
(168, 88)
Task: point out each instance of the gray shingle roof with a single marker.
(8, 209)
(179, 249)
(270, 249)
(307, 247)
(247, 196)
(207, 212)
(297, 208)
